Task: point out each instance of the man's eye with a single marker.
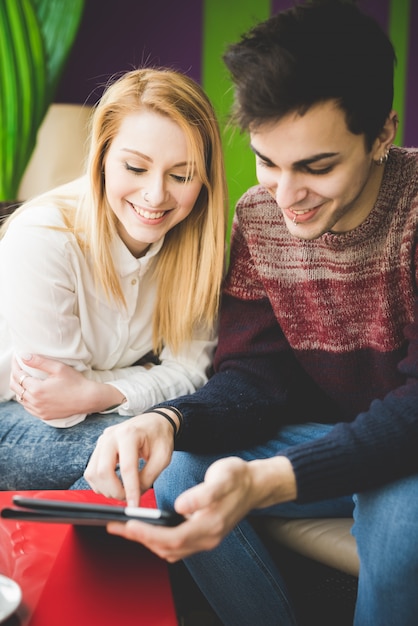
(262, 163)
(321, 171)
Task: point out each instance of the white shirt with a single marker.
(50, 305)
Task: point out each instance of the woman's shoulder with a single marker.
(47, 209)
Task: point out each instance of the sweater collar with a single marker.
(382, 212)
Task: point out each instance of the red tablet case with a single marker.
(82, 575)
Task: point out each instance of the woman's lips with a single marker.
(150, 216)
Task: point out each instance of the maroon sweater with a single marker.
(323, 330)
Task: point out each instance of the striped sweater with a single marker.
(323, 330)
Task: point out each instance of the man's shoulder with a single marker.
(257, 203)
(255, 195)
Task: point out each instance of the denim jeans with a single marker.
(34, 455)
(244, 585)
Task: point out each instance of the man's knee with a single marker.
(386, 530)
(185, 471)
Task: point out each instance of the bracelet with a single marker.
(169, 419)
(179, 415)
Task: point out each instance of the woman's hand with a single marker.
(62, 393)
(148, 437)
(231, 489)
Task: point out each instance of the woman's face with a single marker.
(147, 179)
(319, 172)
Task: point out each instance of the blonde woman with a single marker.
(109, 285)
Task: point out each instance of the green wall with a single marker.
(237, 18)
(224, 21)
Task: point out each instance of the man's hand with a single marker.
(148, 437)
(231, 489)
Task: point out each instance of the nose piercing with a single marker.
(146, 196)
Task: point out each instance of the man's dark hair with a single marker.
(314, 52)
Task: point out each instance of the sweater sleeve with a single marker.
(257, 387)
(244, 400)
(377, 447)
(257, 378)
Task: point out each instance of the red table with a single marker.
(82, 575)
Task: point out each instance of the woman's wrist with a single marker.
(106, 398)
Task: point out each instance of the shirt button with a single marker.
(133, 281)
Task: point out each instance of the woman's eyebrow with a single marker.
(137, 153)
(148, 158)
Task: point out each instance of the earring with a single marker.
(383, 159)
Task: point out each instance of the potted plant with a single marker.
(36, 37)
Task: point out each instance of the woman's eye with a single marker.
(182, 179)
(136, 170)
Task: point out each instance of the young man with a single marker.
(315, 391)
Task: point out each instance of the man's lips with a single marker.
(303, 215)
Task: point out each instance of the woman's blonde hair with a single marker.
(190, 265)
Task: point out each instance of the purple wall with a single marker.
(116, 36)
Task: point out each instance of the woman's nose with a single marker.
(155, 193)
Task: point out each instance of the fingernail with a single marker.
(26, 356)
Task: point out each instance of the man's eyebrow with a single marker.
(316, 157)
(302, 162)
(257, 153)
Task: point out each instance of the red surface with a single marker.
(82, 575)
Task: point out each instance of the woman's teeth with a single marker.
(148, 215)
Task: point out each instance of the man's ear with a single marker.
(385, 138)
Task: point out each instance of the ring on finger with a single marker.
(21, 395)
(22, 378)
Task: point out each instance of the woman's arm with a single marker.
(62, 393)
(51, 307)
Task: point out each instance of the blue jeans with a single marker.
(34, 455)
(242, 582)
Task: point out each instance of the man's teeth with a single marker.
(301, 212)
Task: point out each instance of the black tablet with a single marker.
(83, 513)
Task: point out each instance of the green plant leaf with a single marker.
(36, 37)
(59, 21)
(22, 87)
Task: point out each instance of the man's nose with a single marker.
(289, 190)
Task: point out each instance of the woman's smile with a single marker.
(149, 179)
(149, 215)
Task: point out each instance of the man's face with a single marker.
(319, 172)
